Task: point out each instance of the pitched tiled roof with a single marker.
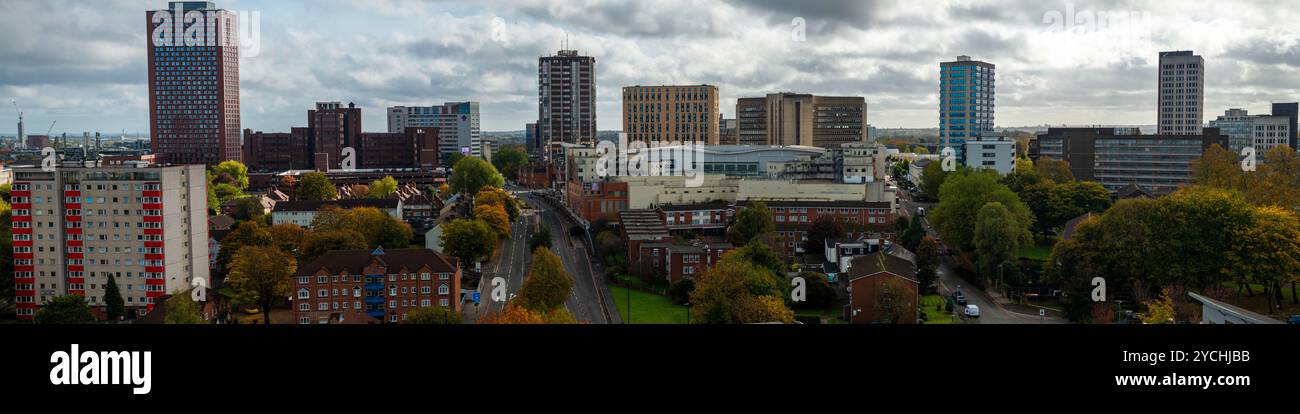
(355, 261)
(344, 204)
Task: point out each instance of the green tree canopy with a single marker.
(471, 174)
(237, 171)
(65, 310)
(181, 310)
(317, 242)
(753, 221)
(470, 241)
(547, 285)
(261, 275)
(433, 315)
(382, 188)
(962, 196)
(510, 160)
(114, 306)
(315, 186)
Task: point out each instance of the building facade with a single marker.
(457, 123)
(1182, 93)
(331, 128)
(967, 92)
(1157, 163)
(992, 152)
(372, 286)
(802, 119)
(671, 114)
(566, 97)
(76, 226)
(193, 88)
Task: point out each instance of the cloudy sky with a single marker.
(83, 62)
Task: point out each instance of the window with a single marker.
(443, 289)
(303, 294)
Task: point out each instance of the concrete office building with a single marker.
(993, 152)
(457, 123)
(1261, 132)
(566, 97)
(967, 89)
(74, 227)
(802, 119)
(194, 90)
(1157, 163)
(1182, 93)
(671, 114)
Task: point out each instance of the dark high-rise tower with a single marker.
(566, 97)
(193, 83)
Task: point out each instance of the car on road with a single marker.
(959, 298)
(971, 311)
(920, 211)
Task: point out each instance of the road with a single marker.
(510, 263)
(990, 312)
(590, 300)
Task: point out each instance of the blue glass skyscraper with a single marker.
(966, 92)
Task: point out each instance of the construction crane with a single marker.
(48, 131)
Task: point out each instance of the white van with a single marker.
(972, 311)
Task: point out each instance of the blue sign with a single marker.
(476, 297)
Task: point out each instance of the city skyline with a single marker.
(1056, 67)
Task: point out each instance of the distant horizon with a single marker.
(1049, 71)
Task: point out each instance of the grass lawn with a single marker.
(1035, 252)
(1259, 303)
(647, 308)
(828, 316)
(929, 304)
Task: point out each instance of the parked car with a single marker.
(959, 298)
(972, 311)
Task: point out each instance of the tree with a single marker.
(1160, 310)
(962, 196)
(997, 236)
(927, 262)
(245, 233)
(735, 291)
(261, 275)
(433, 315)
(382, 188)
(548, 285)
(1267, 251)
(495, 217)
(65, 310)
(680, 292)
(895, 303)
(513, 314)
(377, 227)
(1053, 204)
(1055, 170)
(542, 238)
(819, 292)
(824, 227)
(181, 310)
(114, 306)
(237, 171)
(315, 186)
(932, 178)
(1219, 168)
(288, 237)
(751, 222)
(509, 160)
(912, 236)
(452, 159)
(468, 240)
(497, 197)
(318, 242)
(471, 174)
(247, 208)
(226, 192)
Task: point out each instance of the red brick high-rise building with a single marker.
(193, 84)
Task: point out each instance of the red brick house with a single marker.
(705, 219)
(882, 289)
(598, 200)
(862, 219)
(364, 286)
(676, 262)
